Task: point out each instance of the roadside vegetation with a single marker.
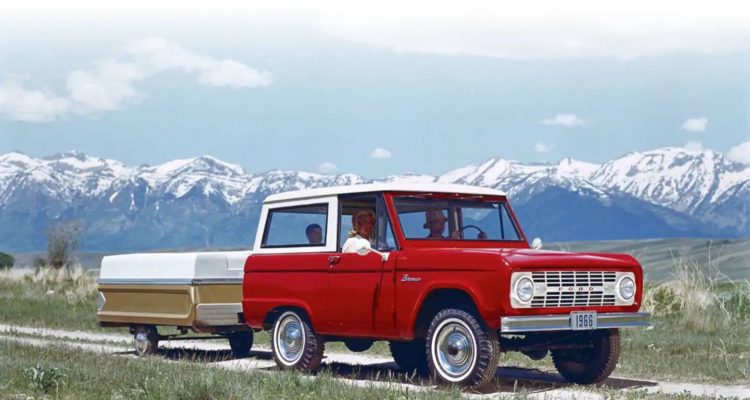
(49, 297)
(59, 373)
(52, 372)
(701, 322)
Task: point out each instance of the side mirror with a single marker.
(362, 247)
(536, 244)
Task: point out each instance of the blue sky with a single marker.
(309, 91)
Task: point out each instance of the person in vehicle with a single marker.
(363, 222)
(314, 234)
(435, 222)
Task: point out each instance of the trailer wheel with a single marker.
(295, 343)
(585, 366)
(145, 340)
(241, 343)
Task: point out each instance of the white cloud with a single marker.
(566, 120)
(740, 153)
(112, 81)
(541, 147)
(157, 55)
(105, 87)
(545, 29)
(327, 168)
(380, 153)
(20, 104)
(695, 124)
(694, 145)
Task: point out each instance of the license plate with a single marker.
(582, 320)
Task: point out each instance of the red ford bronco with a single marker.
(446, 276)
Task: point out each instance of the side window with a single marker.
(351, 205)
(296, 226)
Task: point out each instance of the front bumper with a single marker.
(561, 322)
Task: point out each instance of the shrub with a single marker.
(737, 303)
(44, 379)
(62, 241)
(6, 260)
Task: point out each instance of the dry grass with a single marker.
(57, 298)
(699, 299)
(74, 284)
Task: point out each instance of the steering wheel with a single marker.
(479, 235)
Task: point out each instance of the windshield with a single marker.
(455, 219)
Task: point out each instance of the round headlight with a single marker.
(627, 288)
(525, 289)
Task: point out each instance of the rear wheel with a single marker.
(410, 356)
(295, 344)
(585, 366)
(461, 350)
(145, 340)
(241, 343)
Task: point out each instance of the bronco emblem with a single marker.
(407, 278)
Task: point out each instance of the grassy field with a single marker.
(701, 323)
(28, 372)
(658, 256)
(31, 372)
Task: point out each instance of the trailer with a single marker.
(167, 295)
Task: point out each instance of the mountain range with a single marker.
(204, 202)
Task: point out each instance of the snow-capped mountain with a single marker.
(206, 202)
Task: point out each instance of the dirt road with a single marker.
(356, 369)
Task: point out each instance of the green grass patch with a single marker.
(28, 372)
(59, 373)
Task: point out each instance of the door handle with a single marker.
(333, 260)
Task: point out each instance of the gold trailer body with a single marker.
(201, 307)
(199, 292)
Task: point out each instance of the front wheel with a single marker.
(593, 365)
(240, 343)
(461, 350)
(295, 344)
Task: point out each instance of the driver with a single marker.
(435, 222)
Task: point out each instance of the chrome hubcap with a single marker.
(455, 347)
(291, 338)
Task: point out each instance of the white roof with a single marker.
(383, 187)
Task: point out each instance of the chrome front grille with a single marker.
(574, 288)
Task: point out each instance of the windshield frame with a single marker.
(448, 242)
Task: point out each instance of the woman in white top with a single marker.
(363, 222)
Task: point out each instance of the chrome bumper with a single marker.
(561, 322)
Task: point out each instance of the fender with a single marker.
(488, 308)
(263, 308)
